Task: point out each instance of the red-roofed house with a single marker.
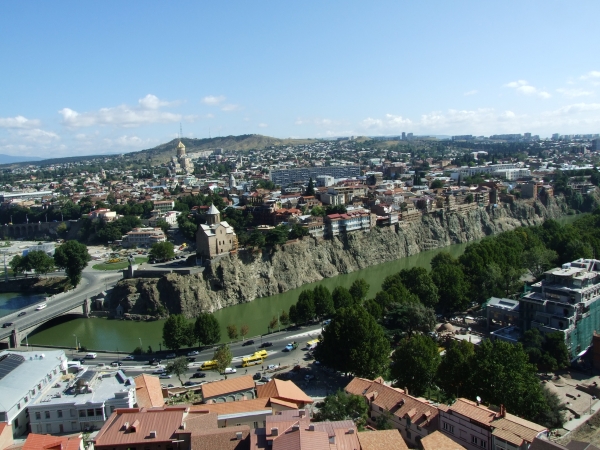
(287, 391)
(49, 442)
(6, 435)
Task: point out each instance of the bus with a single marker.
(312, 344)
(208, 365)
(261, 353)
(252, 360)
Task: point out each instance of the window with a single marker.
(39, 428)
(82, 413)
(449, 428)
(90, 413)
(19, 405)
(99, 412)
(59, 413)
(72, 413)
(482, 443)
(255, 424)
(38, 415)
(48, 428)
(16, 423)
(474, 439)
(408, 435)
(47, 414)
(380, 409)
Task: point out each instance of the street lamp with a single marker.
(141, 348)
(75, 341)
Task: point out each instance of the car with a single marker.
(191, 383)
(154, 362)
(116, 363)
(198, 375)
(129, 358)
(82, 360)
(193, 353)
(191, 359)
(7, 324)
(266, 344)
(159, 371)
(265, 379)
(248, 342)
(257, 376)
(22, 313)
(289, 348)
(170, 385)
(171, 356)
(165, 376)
(230, 370)
(40, 306)
(272, 366)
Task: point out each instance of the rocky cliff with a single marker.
(246, 276)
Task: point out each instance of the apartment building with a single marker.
(336, 224)
(143, 237)
(164, 205)
(26, 377)
(290, 176)
(83, 403)
(490, 169)
(567, 300)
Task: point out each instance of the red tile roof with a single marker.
(148, 391)
(439, 441)
(381, 440)
(48, 442)
(285, 390)
(234, 384)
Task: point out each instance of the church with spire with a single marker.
(216, 237)
(181, 163)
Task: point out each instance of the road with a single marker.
(276, 356)
(92, 283)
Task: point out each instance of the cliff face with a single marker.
(246, 276)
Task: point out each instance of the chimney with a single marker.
(350, 430)
(302, 413)
(502, 411)
(311, 427)
(295, 427)
(275, 431)
(153, 434)
(238, 436)
(332, 440)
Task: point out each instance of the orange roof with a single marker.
(148, 391)
(221, 438)
(358, 386)
(382, 440)
(302, 439)
(516, 430)
(286, 390)
(278, 401)
(233, 407)
(48, 442)
(439, 441)
(471, 410)
(235, 384)
(164, 422)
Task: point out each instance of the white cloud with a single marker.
(473, 92)
(571, 93)
(38, 136)
(262, 125)
(390, 122)
(18, 122)
(148, 112)
(320, 122)
(523, 87)
(213, 100)
(592, 75)
(230, 107)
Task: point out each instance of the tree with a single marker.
(293, 315)
(257, 239)
(207, 329)
(323, 301)
(538, 260)
(277, 236)
(16, 264)
(359, 290)
(436, 184)
(552, 415)
(176, 331)
(39, 261)
(244, 331)
(163, 225)
(178, 367)
(453, 371)
(449, 278)
(305, 307)
(414, 363)
(418, 281)
(232, 331)
(342, 298)
(342, 406)
(223, 357)
(373, 308)
(310, 190)
(354, 343)
(73, 258)
(162, 250)
(274, 322)
(284, 318)
(384, 421)
(409, 318)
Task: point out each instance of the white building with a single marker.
(25, 377)
(491, 169)
(143, 237)
(83, 403)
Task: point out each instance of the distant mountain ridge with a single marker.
(10, 159)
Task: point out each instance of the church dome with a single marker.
(180, 145)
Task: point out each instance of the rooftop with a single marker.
(148, 391)
(382, 440)
(439, 441)
(235, 384)
(286, 390)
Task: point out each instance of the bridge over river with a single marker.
(75, 302)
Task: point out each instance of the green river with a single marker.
(124, 336)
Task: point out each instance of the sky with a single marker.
(116, 76)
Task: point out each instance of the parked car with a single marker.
(165, 376)
(248, 342)
(22, 313)
(159, 371)
(290, 347)
(129, 358)
(171, 356)
(154, 362)
(272, 366)
(265, 379)
(193, 353)
(191, 383)
(198, 375)
(191, 359)
(229, 370)
(116, 363)
(266, 344)
(257, 376)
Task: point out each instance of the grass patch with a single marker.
(119, 265)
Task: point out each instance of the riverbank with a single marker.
(246, 276)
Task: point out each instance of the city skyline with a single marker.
(112, 77)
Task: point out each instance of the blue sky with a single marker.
(113, 76)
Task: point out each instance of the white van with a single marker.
(91, 356)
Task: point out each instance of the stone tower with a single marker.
(180, 150)
(213, 216)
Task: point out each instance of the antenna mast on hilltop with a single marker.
(180, 131)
